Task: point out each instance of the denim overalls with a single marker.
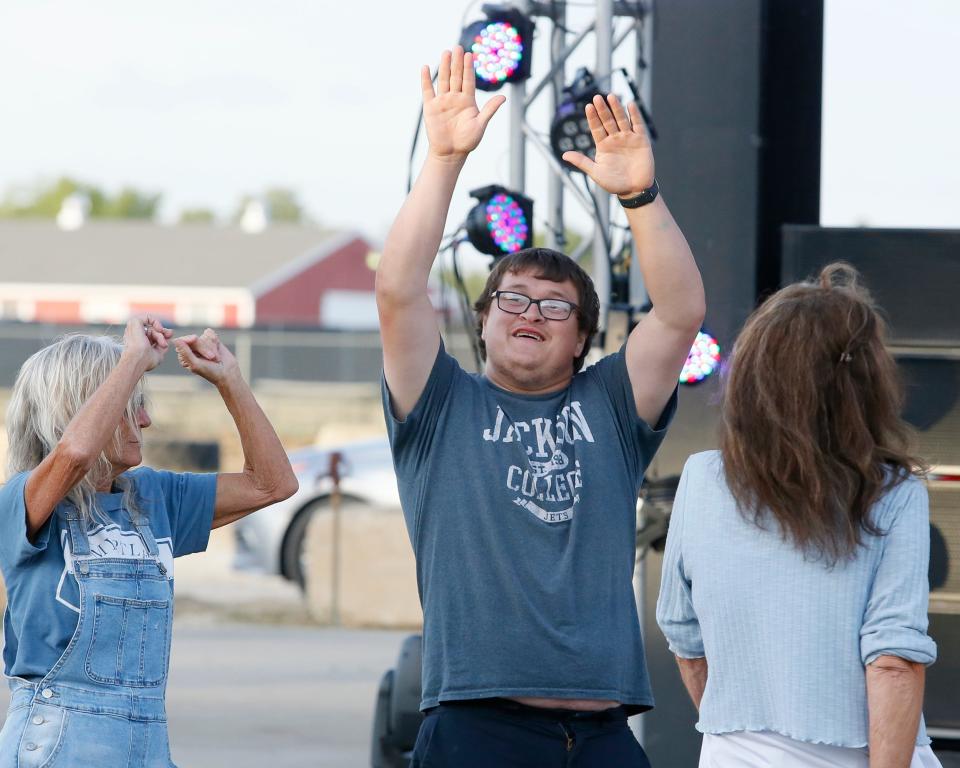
(102, 704)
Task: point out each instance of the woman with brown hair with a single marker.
(794, 591)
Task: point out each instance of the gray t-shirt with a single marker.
(522, 515)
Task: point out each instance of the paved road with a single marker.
(247, 696)
(253, 683)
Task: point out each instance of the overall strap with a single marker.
(143, 528)
(141, 521)
(76, 530)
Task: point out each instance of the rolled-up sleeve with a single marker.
(675, 612)
(895, 619)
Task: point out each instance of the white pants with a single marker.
(764, 749)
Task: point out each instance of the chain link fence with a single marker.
(297, 356)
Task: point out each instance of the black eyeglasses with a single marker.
(517, 303)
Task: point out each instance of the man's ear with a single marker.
(581, 342)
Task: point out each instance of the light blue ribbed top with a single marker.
(786, 638)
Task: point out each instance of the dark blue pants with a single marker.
(495, 733)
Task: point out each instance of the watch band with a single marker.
(644, 198)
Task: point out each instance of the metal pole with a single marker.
(243, 345)
(559, 62)
(518, 149)
(544, 149)
(555, 224)
(335, 501)
(644, 78)
(638, 297)
(601, 259)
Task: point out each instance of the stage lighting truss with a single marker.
(501, 45)
(501, 222)
(569, 131)
(703, 360)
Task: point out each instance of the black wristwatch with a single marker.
(644, 198)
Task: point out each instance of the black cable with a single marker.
(448, 243)
(606, 240)
(596, 211)
(444, 300)
(469, 325)
(553, 81)
(466, 309)
(416, 137)
(644, 112)
(413, 149)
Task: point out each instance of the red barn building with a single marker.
(189, 275)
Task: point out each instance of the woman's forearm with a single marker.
(894, 702)
(267, 476)
(693, 672)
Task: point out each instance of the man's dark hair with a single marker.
(545, 264)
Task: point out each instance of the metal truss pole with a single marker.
(556, 238)
(597, 204)
(638, 297)
(518, 147)
(642, 74)
(602, 70)
(560, 180)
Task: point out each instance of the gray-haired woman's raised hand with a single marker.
(206, 356)
(147, 340)
(266, 476)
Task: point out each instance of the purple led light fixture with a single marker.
(703, 360)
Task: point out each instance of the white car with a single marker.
(271, 540)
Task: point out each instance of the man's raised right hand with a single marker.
(454, 123)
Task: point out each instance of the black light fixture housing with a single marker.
(502, 45)
(569, 131)
(501, 222)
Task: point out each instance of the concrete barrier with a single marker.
(360, 569)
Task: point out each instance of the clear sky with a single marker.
(205, 100)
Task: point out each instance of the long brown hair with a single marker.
(810, 431)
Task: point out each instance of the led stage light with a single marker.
(501, 222)
(501, 46)
(703, 360)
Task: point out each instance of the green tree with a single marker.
(45, 199)
(282, 204)
(197, 216)
(129, 203)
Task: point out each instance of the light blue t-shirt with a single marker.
(785, 636)
(522, 515)
(43, 599)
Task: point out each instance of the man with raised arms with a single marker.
(519, 485)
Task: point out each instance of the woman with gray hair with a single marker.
(87, 543)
